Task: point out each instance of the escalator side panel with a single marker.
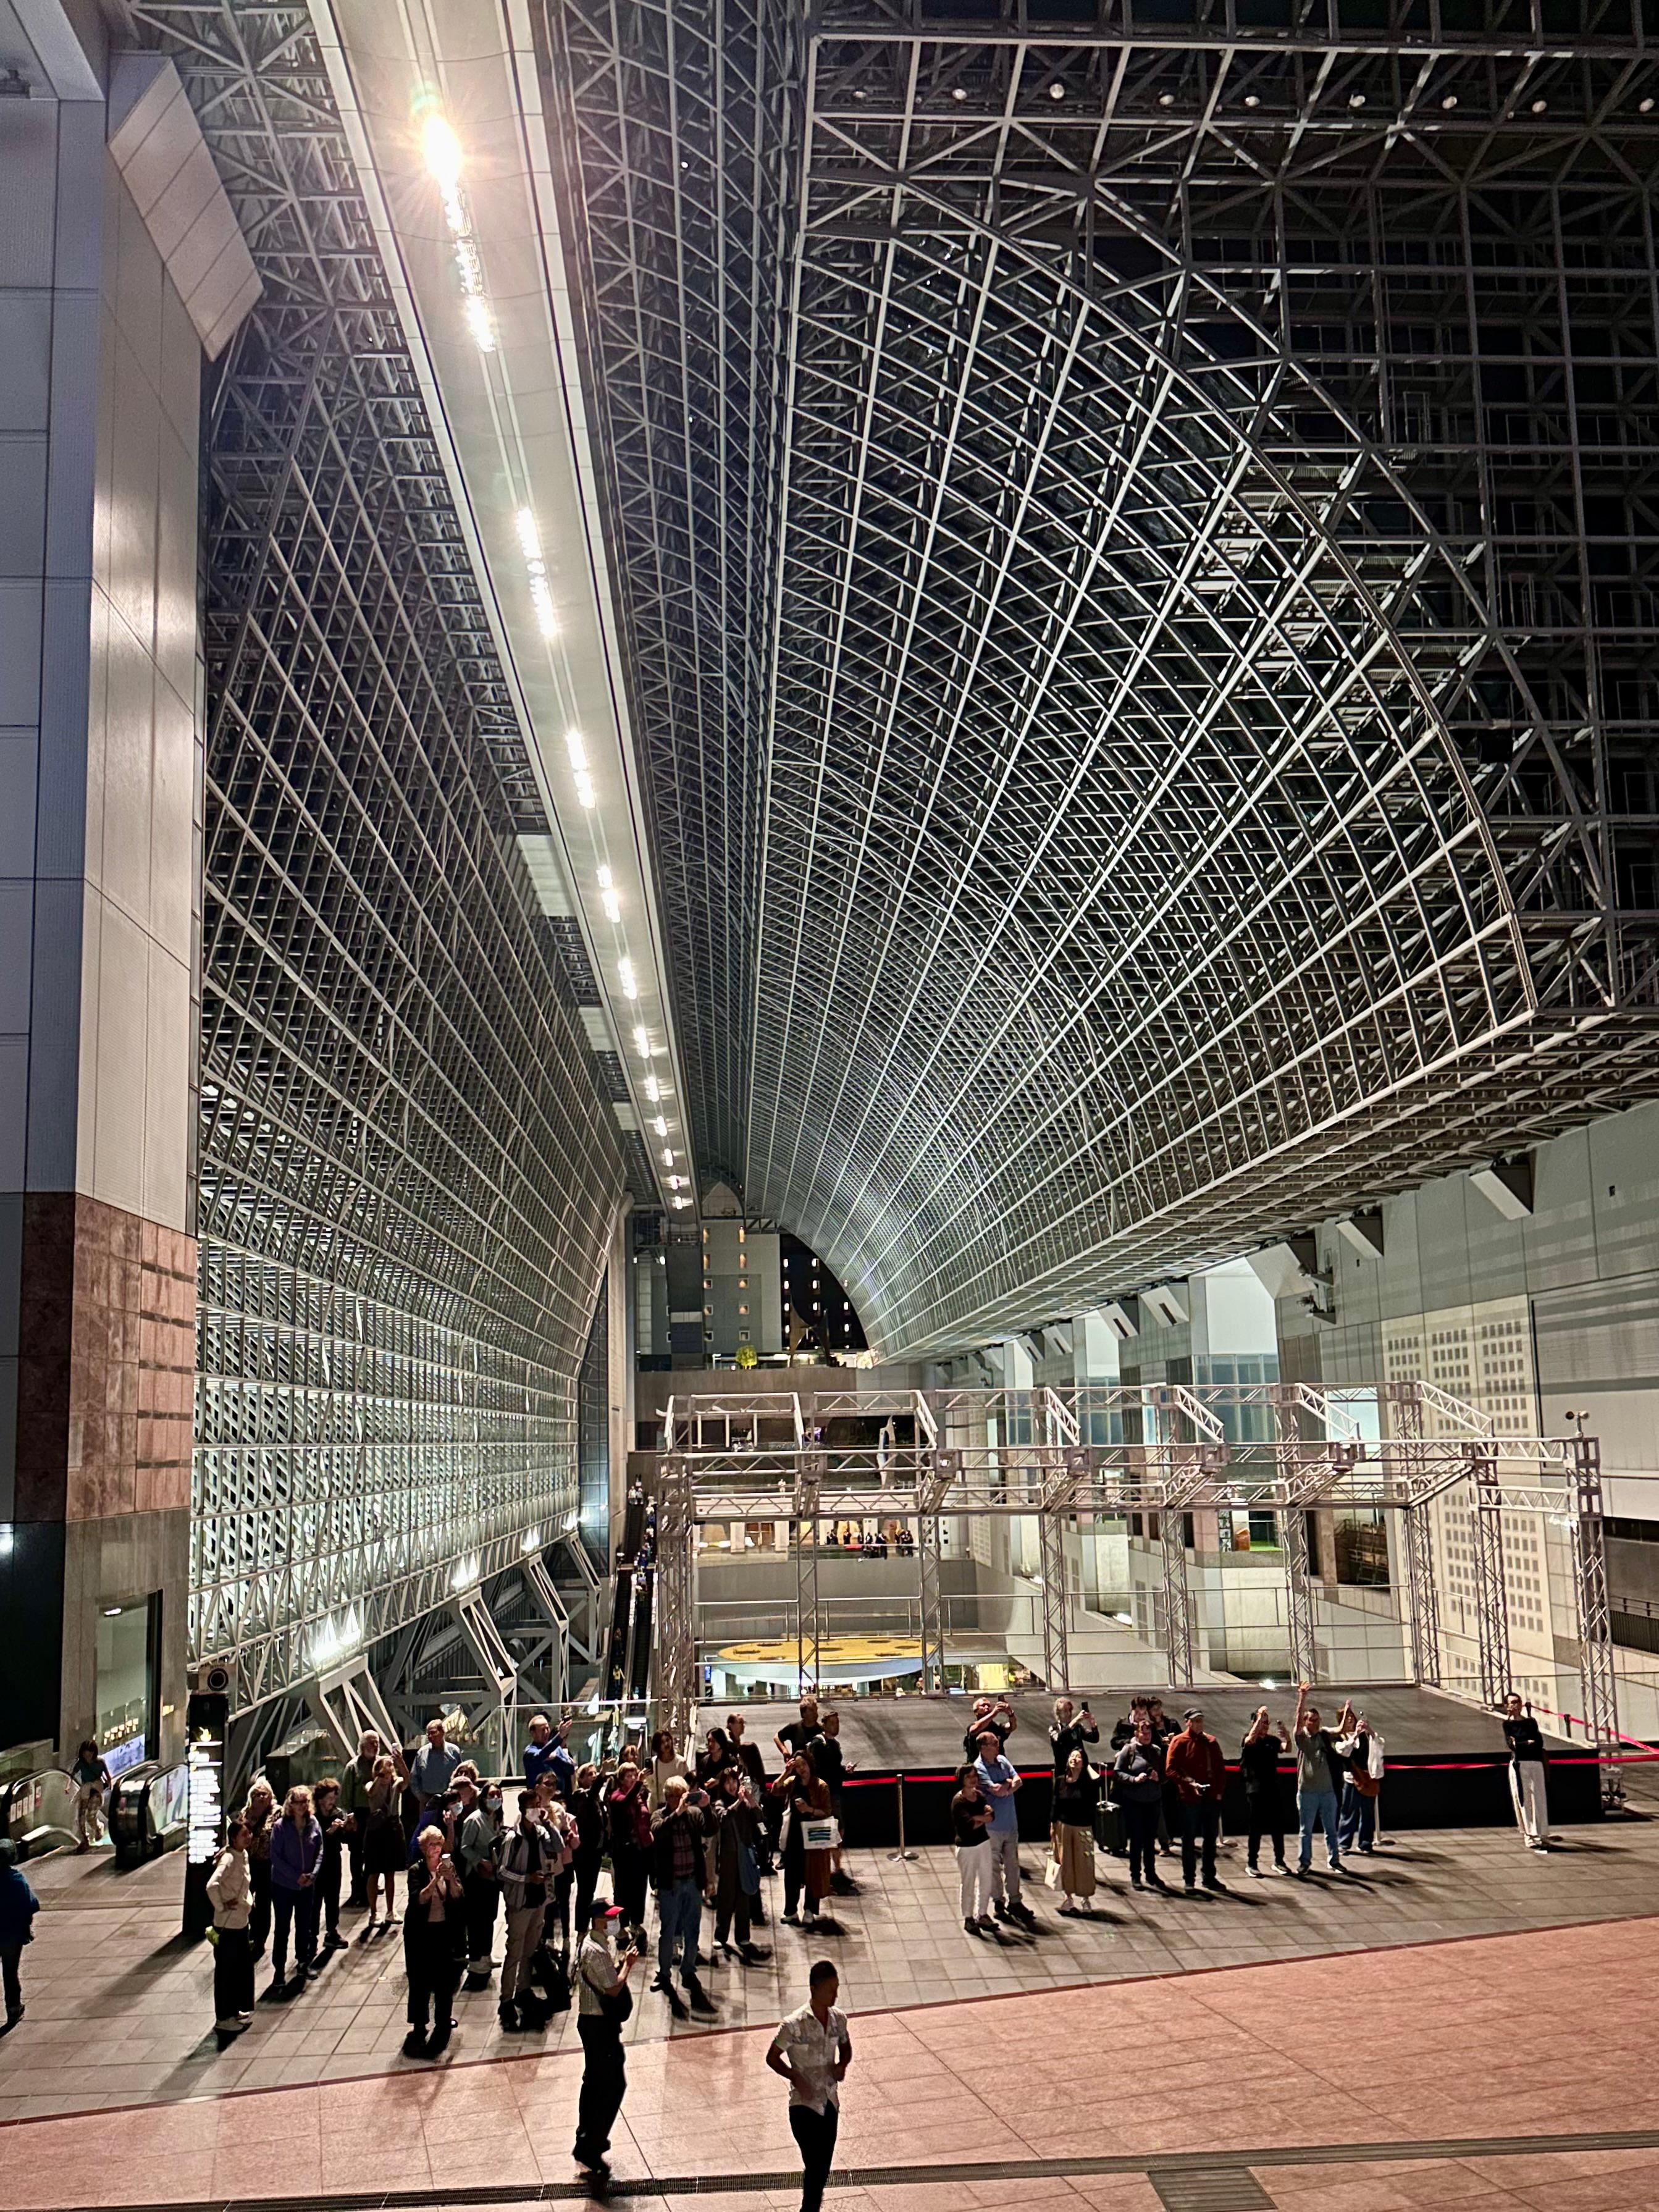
(616, 1648)
(639, 1683)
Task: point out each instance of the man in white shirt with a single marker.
(812, 2051)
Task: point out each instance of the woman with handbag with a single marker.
(435, 1944)
(737, 1880)
(1077, 1795)
(603, 2004)
(806, 1803)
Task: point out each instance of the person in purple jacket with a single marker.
(296, 1852)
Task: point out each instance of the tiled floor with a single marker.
(119, 2008)
(1529, 2033)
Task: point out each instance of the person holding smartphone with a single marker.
(1073, 1729)
(603, 2003)
(1193, 1762)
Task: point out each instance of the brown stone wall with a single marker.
(107, 1362)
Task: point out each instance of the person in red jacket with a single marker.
(1194, 1764)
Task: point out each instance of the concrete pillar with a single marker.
(119, 259)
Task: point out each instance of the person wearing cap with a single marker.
(1195, 1763)
(603, 2004)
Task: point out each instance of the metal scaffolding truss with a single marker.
(1144, 605)
(1162, 1452)
(408, 1168)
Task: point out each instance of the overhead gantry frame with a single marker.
(737, 1458)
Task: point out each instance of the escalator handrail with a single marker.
(9, 1792)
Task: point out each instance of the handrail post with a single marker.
(900, 1853)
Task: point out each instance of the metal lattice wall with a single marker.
(408, 1165)
(1206, 724)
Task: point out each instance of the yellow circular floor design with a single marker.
(833, 1652)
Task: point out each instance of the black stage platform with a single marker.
(1447, 1764)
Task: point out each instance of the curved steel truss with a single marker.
(409, 1167)
(1141, 543)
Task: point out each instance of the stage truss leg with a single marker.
(1422, 1594)
(1490, 1595)
(1057, 1652)
(1598, 1680)
(676, 1648)
(932, 1604)
(1177, 1598)
(1298, 1594)
(809, 1618)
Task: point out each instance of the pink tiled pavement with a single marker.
(1529, 2033)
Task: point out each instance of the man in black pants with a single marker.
(603, 2004)
(812, 2051)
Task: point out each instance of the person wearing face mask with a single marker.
(478, 1856)
(526, 1855)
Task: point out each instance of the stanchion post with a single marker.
(900, 1853)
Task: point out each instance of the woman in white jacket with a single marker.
(1360, 1748)
(230, 1893)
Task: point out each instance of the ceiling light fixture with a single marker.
(580, 776)
(608, 897)
(643, 1041)
(626, 977)
(529, 544)
(659, 1123)
(442, 152)
(652, 1089)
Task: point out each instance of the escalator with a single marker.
(149, 1812)
(639, 1641)
(37, 1811)
(633, 1531)
(615, 1646)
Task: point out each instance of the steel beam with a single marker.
(1177, 1597)
(676, 1603)
(930, 1601)
(1598, 1676)
(1486, 1553)
(1057, 1601)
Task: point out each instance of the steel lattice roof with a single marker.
(1139, 541)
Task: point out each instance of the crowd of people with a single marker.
(1166, 1782)
(469, 1852)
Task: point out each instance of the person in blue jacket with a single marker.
(296, 1852)
(18, 1906)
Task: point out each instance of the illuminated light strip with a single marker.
(610, 899)
(580, 777)
(530, 539)
(629, 981)
(442, 150)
